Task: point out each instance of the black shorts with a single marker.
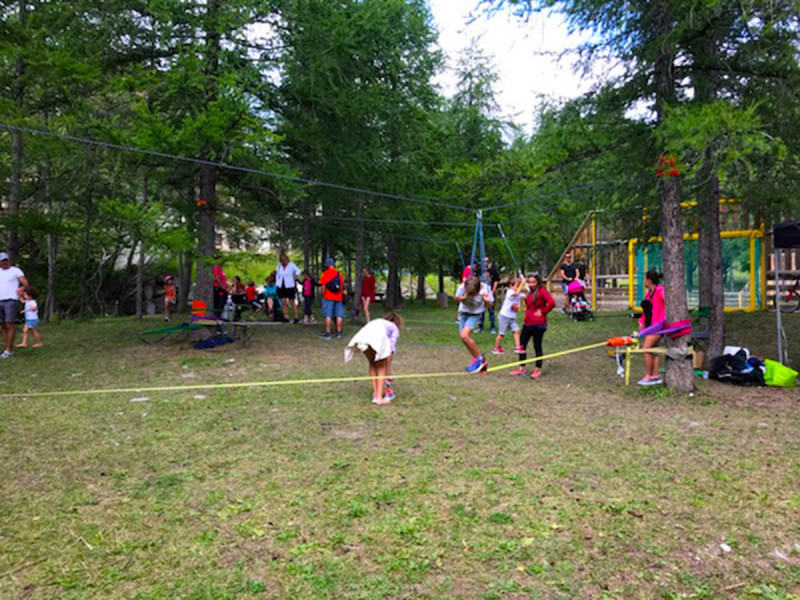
(287, 292)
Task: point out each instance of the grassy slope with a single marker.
(466, 487)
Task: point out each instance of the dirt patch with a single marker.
(765, 398)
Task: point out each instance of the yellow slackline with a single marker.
(546, 357)
(248, 384)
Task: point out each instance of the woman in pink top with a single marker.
(653, 312)
(220, 287)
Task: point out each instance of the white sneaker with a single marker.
(6, 354)
(388, 395)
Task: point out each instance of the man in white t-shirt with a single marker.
(11, 278)
(286, 279)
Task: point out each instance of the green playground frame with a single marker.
(643, 256)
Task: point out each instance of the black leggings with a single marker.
(220, 298)
(537, 333)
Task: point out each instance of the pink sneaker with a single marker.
(519, 349)
(498, 350)
(536, 373)
(517, 371)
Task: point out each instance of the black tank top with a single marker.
(647, 308)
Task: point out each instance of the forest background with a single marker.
(344, 145)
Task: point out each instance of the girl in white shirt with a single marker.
(507, 318)
(31, 312)
(377, 340)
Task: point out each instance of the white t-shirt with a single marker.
(31, 310)
(285, 276)
(511, 300)
(9, 282)
(379, 334)
(474, 305)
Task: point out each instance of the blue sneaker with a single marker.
(477, 365)
(338, 335)
(325, 335)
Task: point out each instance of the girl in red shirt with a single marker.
(538, 303)
(367, 291)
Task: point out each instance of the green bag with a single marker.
(779, 375)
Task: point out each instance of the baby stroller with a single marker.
(579, 307)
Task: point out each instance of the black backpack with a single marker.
(334, 285)
(731, 369)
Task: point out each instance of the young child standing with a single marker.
(31, 312)
(169, 297)
(377, 340)
(508, 315)
(308, 297)
(473, 298)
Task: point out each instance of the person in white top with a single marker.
(473, 297)
(377, 340)
(286, 276)
(507, 318)
(11, 279)
(31, 313)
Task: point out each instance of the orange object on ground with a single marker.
(620, 341)
(199, 308)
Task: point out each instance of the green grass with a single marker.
(466, 487)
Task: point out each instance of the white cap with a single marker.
(4, 256)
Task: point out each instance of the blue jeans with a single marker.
(468, 320)
(333, 309)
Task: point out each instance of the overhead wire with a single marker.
(228, 166)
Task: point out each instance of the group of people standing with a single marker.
(278, 300)
(15, 290)
(475, 297)
(279, 294)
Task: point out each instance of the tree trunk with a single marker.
(52, 248)
(711, 290)
(710, 258)
(206, 235)
(359, 255)
(679, 371)
(421, 284)
(307, 237)
(14, 184)
(206, 214)
(392, 297)
(141, 263)
(441, 278)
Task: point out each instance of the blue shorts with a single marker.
(333, 309)
(468, 320)
(31, 323)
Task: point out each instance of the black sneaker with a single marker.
(338, 335)
(296, 321)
